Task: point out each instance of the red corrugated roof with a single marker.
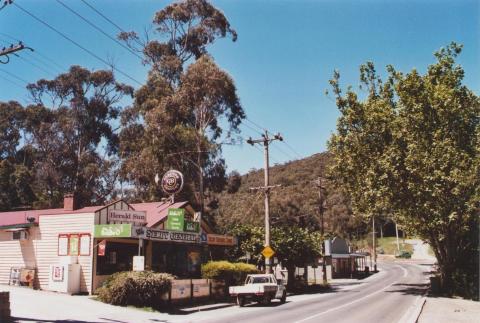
(19, 217)
(156, 211)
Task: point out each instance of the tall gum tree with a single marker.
(422, 163)
(179, 115)
(71, 117)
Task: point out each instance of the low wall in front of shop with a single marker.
(196, 290)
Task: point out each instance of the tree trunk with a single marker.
(291, 276)
(200, 177)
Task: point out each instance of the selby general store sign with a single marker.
(164, 235)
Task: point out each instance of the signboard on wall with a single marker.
(73, 245)
(63, 245)
(192, 226)
(138, 263)
(220, 240)
(57, 273)
(137, 217)
(101, 248)
(113, 231)
(164, 235)
(85, 245)
(176, 219)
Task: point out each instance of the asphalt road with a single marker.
(389, 296)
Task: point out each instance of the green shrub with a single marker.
(231, 273)
(135, 288)
(404, 254)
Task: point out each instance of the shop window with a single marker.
(118, 257)
(74, 244)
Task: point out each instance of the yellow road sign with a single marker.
(268, 252)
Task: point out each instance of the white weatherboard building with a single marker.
(46, 248)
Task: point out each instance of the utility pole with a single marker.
(396, 233)
(5, 51)
(266, 140)
(374, 247)
(321, 208)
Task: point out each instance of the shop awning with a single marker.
(20, 227)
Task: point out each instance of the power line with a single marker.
(264, 129)
(75, 43)
(107, 19)
(14, 83)
(9, 36)
(36, 65)
(14, 76)
(292, 149)
(251, 128)
(45, 57)
(284, 152)
(49, 61)
(257, 125)
(98, 28)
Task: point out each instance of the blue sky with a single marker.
(284, 56)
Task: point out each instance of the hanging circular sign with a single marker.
(172, 182)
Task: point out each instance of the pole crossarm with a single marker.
(5, 51)
(262, 188)
(6, 3)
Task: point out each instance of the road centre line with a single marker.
(353, 302)
(347, 304)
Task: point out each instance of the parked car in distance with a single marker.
(260, 288)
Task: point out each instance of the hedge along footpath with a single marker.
(135, 288)
(231, 273)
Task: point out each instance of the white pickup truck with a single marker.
(261, 288)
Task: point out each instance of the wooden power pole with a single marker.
(266, 140)
(321, 209)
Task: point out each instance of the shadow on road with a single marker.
(409, 289)
(26, 319)
(190, 310)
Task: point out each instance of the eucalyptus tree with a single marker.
(188, 107)
(66, 127)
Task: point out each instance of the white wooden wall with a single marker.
(16, 253)
(47, 252)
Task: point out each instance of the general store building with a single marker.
(90, 243)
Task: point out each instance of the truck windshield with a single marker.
(259, 280)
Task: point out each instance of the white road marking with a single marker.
(405, 273)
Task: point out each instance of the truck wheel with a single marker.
(240, 301)
(284, 297)
(266, 300)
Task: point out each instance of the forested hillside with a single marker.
(296, 202)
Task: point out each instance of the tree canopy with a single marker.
(53, 146)
(188, 108)
(411, 148)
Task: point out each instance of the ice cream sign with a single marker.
(113, 230)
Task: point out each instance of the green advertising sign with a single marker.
(191, 226)
(176, 219)
(113, 231)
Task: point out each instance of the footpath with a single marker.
(442, 309)
(449, 310)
